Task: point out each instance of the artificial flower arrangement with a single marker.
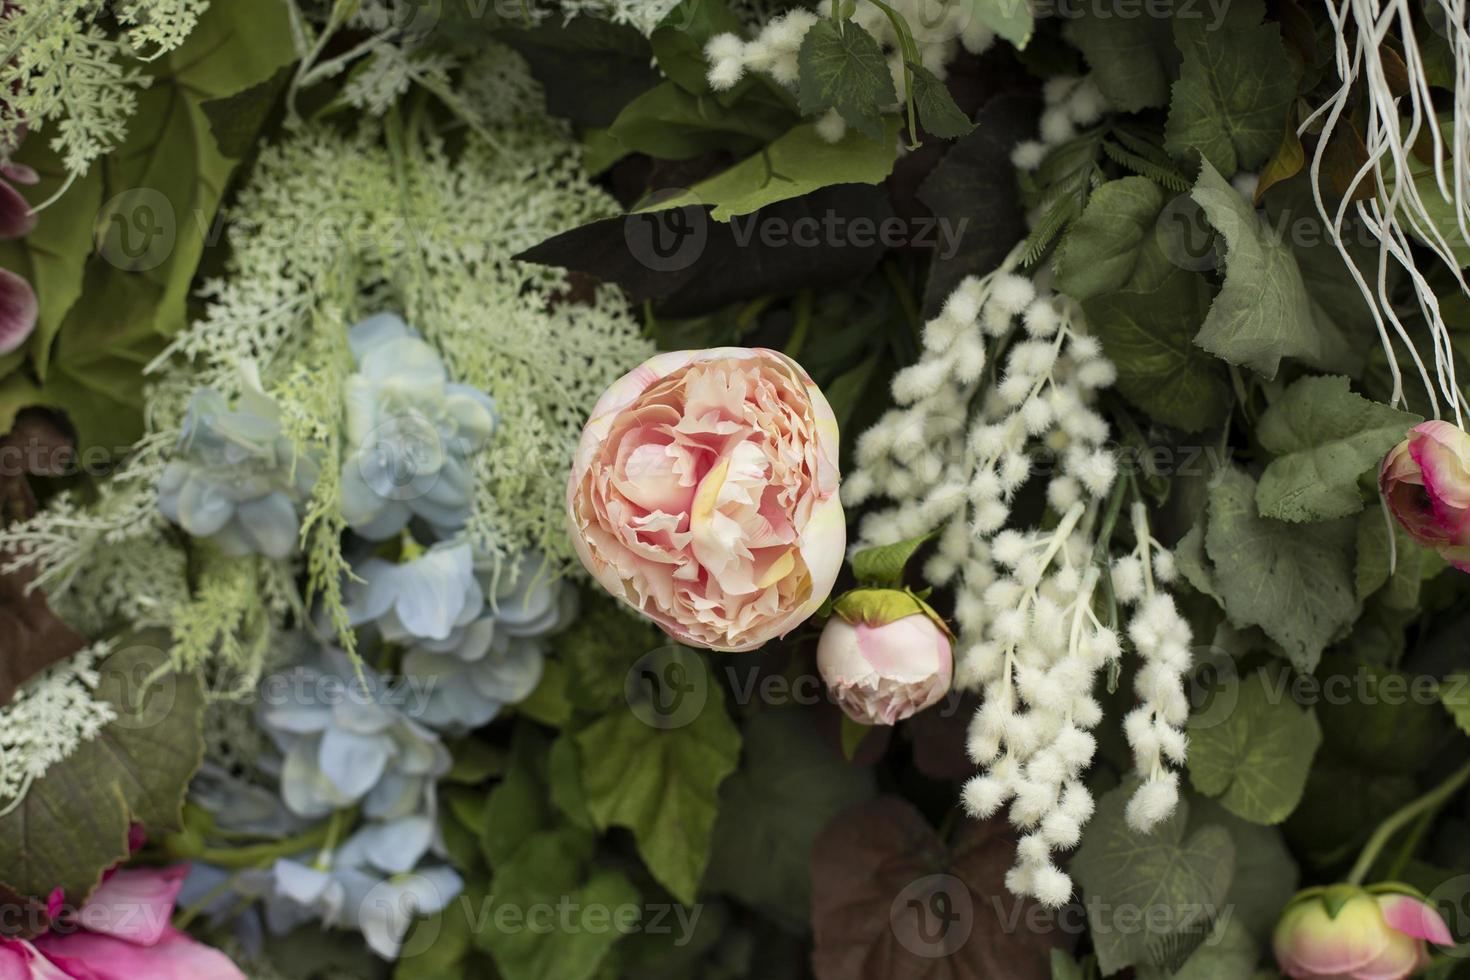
(733, 488)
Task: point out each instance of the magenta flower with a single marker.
(123, 932)
(1426, 481)
(1354, 934)
(18, 305)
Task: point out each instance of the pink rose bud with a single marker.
(1357, 934)
(704, 495)
(1426, 481)
(884, 655)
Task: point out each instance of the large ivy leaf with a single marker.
(1324, 437)
(790, 784)
(1125, 875)
(1341, 806)
(53, 256)
(844, 68)
(1295, 581)
(1229, 104)
(1149, 338)
(1103, 246)
(1454, 694)
(1266, 874)
(73, 823)
(892, 902)
(793, 165)
(1132, 60)
(1230, 953)
(1256, 759)
(1262, 313)
(168, 178)
(662, 783)
(552, 869)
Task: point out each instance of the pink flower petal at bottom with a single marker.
(176, 956)
(134, 904)
(18, 311)
(1415, 918)
(21, 961)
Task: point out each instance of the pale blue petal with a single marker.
(353, 763)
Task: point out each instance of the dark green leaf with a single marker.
(1104, 245)
(937, 110)
(844, 68)
(1149, 338)
(884, 565)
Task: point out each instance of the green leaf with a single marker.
(1295, 581)
(1379, 717)
(1266, 875)
(1229, 104)
(169, 176)
(1230, 953)
(937, 110)
(662, 783)
(1442, 211)
(884, 565)
(1063, 967)
(548, 703)
(1454, 694)
(1256, 759)
(552, 870)
(73, 823)
(1324, 437)
(588, 67)
(1262, 313)
(794, 165)
(1149, 338)
(518, 807)
(236, 120)
(844, 68)
(1124, 874)
(669, 123)
(53, 257)
(1374, 557)
(598, 649)
(1010, 19)
(789, 786)
(1103, 246)
(1132, 60)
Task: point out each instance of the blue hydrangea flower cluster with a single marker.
(411, 434)
(469, 656)
(235, 478)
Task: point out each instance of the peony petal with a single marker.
(1415, 918)
(175, 957)
(19, 960)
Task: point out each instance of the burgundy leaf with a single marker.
(892, 902)
(18, 311)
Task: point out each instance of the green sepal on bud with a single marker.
(878, 607)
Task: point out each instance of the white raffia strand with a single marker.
(1391, 137)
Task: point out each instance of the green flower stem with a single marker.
(260, 855)
(910, 52)
(1428, 803)
(803, 324)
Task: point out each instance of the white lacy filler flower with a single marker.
(952, 455)
(940, 30)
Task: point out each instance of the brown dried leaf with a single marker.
(32, 638)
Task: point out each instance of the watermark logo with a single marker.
(670, 239)
(1184, 235)
(137, 229)
(933, 916)
(146, 693)
(667, 687)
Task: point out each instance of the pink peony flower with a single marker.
(123, 932)
(704, 495)
(1426, 481)
(884, 655)
(1353, 934)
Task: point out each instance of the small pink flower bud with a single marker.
(1354, 933)
(884, 655)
